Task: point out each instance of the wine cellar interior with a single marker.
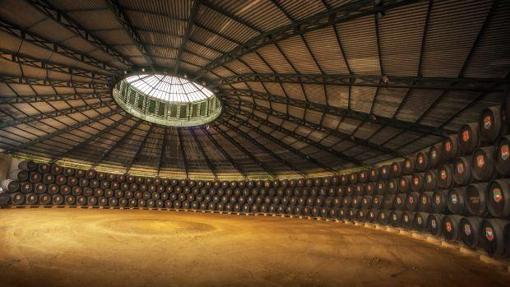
(254, 143)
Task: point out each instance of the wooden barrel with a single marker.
(434, 224)
(412, 202)
(57, 199)
(418, 182)
(420, 221)
(26, 187)
(80, 173)
(31, 199)
(498, 202)
(469, 229)
(451, 227)
(377, 201)
(492, 236)
(18, 198)
(28, 165)
(469, 138)
(10, 185)
(408, 166)
(388, 201)
(400, 201)
(422, 161)
(68, 171)
(482, 163)
(436, 156)
(374, 174)
(362, 177)
(45, 199)
(425, 202)
(440, 201)
(56, 169)
(457, 200)
(70, 200)
(392, 186)
(491, 124)
(430, 180)
(396, 218)
(44, 168)
(450, 147)
(404, 184)
(40, 188)
(383, 217)
(502, 161)
(369, 188)
(476, 199)
(385, 172)
(81, 200)
(48, 178)
(381, 187)
(445, 176)
(372, 215)
(396, 169)
(462, 173)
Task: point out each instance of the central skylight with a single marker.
(167, 100)
(169, 88)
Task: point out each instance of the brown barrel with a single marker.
(40, 188)
(48, 178)
(404, 184)
(412, 201)
(383, 217)
(392, 186)
(462, 174)
(28, 165)
(113, 202)
(388, 201)
(440, 201)
(10, 185)
(26, 187)
(44, 199)
(422, 161)
(31, 199)
(492, 234)
(44, 168)
(436, 156)
(469, 138)
(396, 218)
(445, 176)
(56, 169)
(425, 201)
(491, 124)
(377, 201)
(482, 163)
(396, 169)
(385, 171)
(374, 174)
(68, 171)
(434, 224)
(457, 200)
(470, 231)
(381, 187)
(22, 175)
(80, 173)
(408, 166)
(451, 226)
(420, 221)
(418, 182)
(450, 147)
(57, 199)
(430, 180)
(502, 156)
(362, 177)
(400, 201)
(407, 219)
(70, 200)
(476, 199)
(91, 174)
(498, 199)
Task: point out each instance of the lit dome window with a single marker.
(167, 100)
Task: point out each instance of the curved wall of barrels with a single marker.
(458, 189)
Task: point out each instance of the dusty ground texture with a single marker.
(76, 247)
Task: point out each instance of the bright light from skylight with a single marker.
(169, 88)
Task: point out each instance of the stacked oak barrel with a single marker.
(458, 189)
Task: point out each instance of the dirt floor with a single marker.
(84, 247)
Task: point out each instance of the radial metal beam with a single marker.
(278, 142)
(269, 171)
(90, 139)
(337, 111)
(32, 38)
(299, 137)
(224, 152)
(189, 28)
(317, 21)
(108, 151)
(139, 150)
(210, 165)
(63, 131)
(52, 82)
(23, 59)
(318, 127)
(387, 81)
(183, 153)
(57, 113)
(128, 27)
(69, 23)
(50, 98)
(163, 149)
(261, 146)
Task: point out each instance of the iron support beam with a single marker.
(189, 28)
(320, 20)
(49, 45)
(381, 81)
(50, 98)
(69, 23)
(108, 151)
(337, 111)
(299, 137)
(242, 149)
(52, 82)
(57, 113)
(317, 127)
(210, 165)
(183, 153)
(224, 152)
(128, 27)
(62, 131)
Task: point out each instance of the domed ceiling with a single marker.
(306, 87)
